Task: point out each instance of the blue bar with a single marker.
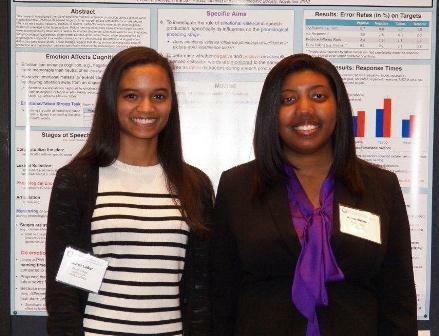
(405, 128)
(354, 124)
(379, 129)
(369, 23)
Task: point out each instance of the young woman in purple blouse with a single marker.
(309, 239)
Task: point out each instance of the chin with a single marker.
(317, 149)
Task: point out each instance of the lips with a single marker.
(143, 120)
(306, 128)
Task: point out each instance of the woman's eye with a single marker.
(319, 96)
(130, 96)
(288, 100)
(159, 97)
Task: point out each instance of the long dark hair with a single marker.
(102, 146)
(268, 149)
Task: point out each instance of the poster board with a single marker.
(222, 52)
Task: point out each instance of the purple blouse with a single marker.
(316, 264)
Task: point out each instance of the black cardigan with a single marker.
(71, 207)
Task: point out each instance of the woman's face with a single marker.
(144, 103)
(307, 114)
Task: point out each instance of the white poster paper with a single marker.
(224, 40)
(81, 27)
(57, 89)
(38, 154)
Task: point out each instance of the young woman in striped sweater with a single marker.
(129, 197)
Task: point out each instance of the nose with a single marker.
(145, 105)
(304, 105)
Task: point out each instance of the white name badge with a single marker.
(81, 270)
(359, 223)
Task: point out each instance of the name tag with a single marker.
(359, 223)
(81, 270)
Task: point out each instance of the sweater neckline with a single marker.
(137, 170)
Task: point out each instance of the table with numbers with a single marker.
(367, 35)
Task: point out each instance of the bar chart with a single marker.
(383, 123)
(391, 118)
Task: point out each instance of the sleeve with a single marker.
(224, 268)
(395, 282)
(199, 300)
(63, 303)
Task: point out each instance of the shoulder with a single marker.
(238, 181)
(372, 173)
(78, 168)
(78, 172)
(377, 181)
(198, 177)
(241, 173)
(197, 173)
(200, 182)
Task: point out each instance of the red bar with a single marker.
(360, 124)
(412, 126)
(387, 117)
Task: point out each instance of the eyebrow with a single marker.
(129, 89)
(311, 88)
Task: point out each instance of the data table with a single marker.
(356, 37)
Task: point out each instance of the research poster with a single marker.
(221, 51)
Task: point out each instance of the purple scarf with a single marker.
(316, 264)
